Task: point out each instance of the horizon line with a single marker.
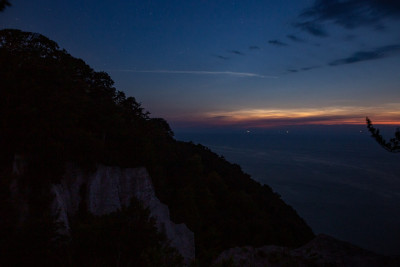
(193, 125)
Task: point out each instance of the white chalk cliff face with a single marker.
(110, 188)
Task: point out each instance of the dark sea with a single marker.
(340, 181)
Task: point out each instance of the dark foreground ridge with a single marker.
(321, 251)
(55, 110)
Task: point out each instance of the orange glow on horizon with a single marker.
(265, 118)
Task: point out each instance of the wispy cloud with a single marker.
(294, 38)
(304, 116)
(222, 57)
(302, 69)
(269, 117)
(348, 14)
(360, 56)
(236, 52)
(312, 28)
(277, 43)
(357, 57)
(309, 68)
(199, 72)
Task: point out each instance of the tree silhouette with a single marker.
(392, 145)
(55, 107)
(4, 4)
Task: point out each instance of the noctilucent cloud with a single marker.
(233, 63)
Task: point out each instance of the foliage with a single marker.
(4, 4)
(56, 109)
(394, 143)
(26, 231)
(124, 238)
(222, 205)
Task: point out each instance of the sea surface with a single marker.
(341, 182)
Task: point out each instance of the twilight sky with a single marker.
(234, 63)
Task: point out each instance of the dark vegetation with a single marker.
(4, 4)
(125, 238)
(55, 109)
(393, 145)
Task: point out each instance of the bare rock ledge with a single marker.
(107, 190)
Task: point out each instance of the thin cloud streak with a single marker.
(360, 56)
(197, 72)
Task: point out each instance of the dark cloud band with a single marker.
(348, 13)
(360, 56)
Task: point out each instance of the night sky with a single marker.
(235, 63)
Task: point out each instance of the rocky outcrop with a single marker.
(321, 251)
(107, 190)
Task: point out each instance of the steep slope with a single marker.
(55, 109)
(222, 205)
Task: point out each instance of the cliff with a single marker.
(60, 110)
(107, 190)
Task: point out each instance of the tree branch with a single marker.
(392, 145)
